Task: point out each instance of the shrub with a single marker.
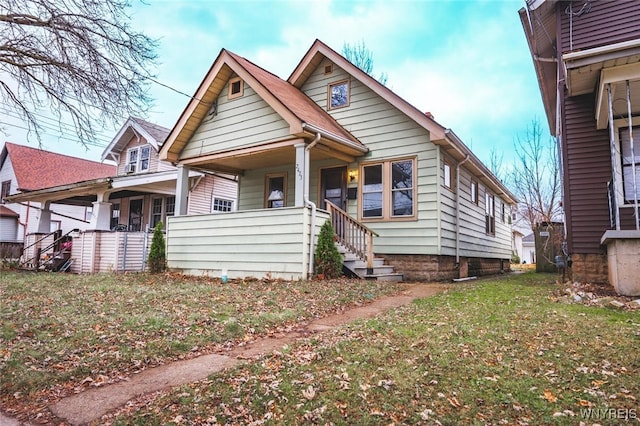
(157, 259)
(515, 259)
(328, 261)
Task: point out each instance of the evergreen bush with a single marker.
(328, 261)
(157, 259)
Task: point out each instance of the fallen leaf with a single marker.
(549, 396)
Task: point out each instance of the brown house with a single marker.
(587, 59)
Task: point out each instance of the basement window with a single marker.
(236, 88)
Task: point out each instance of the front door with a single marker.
(333, 187)
(135, 215)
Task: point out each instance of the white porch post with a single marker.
(182, 190)
(302, 175)
(44, 221)
(101, 213)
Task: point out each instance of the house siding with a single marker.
(389, 134)
(607, 22)
(473, 240)
(239, 123)
(208, 244)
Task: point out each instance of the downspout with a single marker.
(309, 203)
(466, 158)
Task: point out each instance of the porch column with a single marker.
(101, 213)
(182, 190)
(44, 221)
(301, 179)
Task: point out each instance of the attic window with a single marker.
(328, 69)
(236, 88)
(339, 94)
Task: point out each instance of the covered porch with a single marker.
(287, 190)
(613, 73)
(123, 211)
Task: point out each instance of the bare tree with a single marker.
(360, 56)
(496, 160)
(535, 178)
(78, 59)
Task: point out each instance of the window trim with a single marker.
(164, 211)
(329, 92)
(5, 190)
(619, 126)
(489, 214)
(139, 160)
(240, 92)
(474, 196)
(387, 191)
(223, 199)
(450, 175)
(267, 185)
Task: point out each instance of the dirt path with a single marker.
(92, 404)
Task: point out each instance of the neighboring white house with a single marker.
(137, 194)
(24, 169)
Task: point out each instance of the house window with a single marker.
(474, 192)
(161, 208)
(372, 191)
(447, 175)
(388, 190)
(503, 216)
(236, 88)
(490, 214)
(275, 194)
(222, 205)
(138, 159)
(115, 215)
(6, 190)
(328, 69)
(629, 160)
(339, 94)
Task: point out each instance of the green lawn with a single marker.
(61, 333)
(498, 351)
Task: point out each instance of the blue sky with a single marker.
(466, 62)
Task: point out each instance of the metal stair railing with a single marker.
(55, 245)
(353, 235)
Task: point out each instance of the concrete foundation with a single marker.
(623, 258)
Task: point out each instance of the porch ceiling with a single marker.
(618, 77)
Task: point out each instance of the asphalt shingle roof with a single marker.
(38, 169)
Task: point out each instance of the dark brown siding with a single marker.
(587, 170)
(608, 22)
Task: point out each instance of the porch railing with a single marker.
(353, 235)
(56, 247)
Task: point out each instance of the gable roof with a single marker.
(154, 134)
(439, 135)
(297, 109)
(37, 169)
(319, 50)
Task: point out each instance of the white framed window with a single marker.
(222, 205)
(236, 88)
(490, 213)
(474, 192)
(161, 208)
(447, 175)
(138, 159)
(388, 190)
(275, 191)
(628, 161)
(338, 94)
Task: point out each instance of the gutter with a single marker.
(312, 230)
(466, 158)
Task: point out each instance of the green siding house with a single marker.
(330, 143)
